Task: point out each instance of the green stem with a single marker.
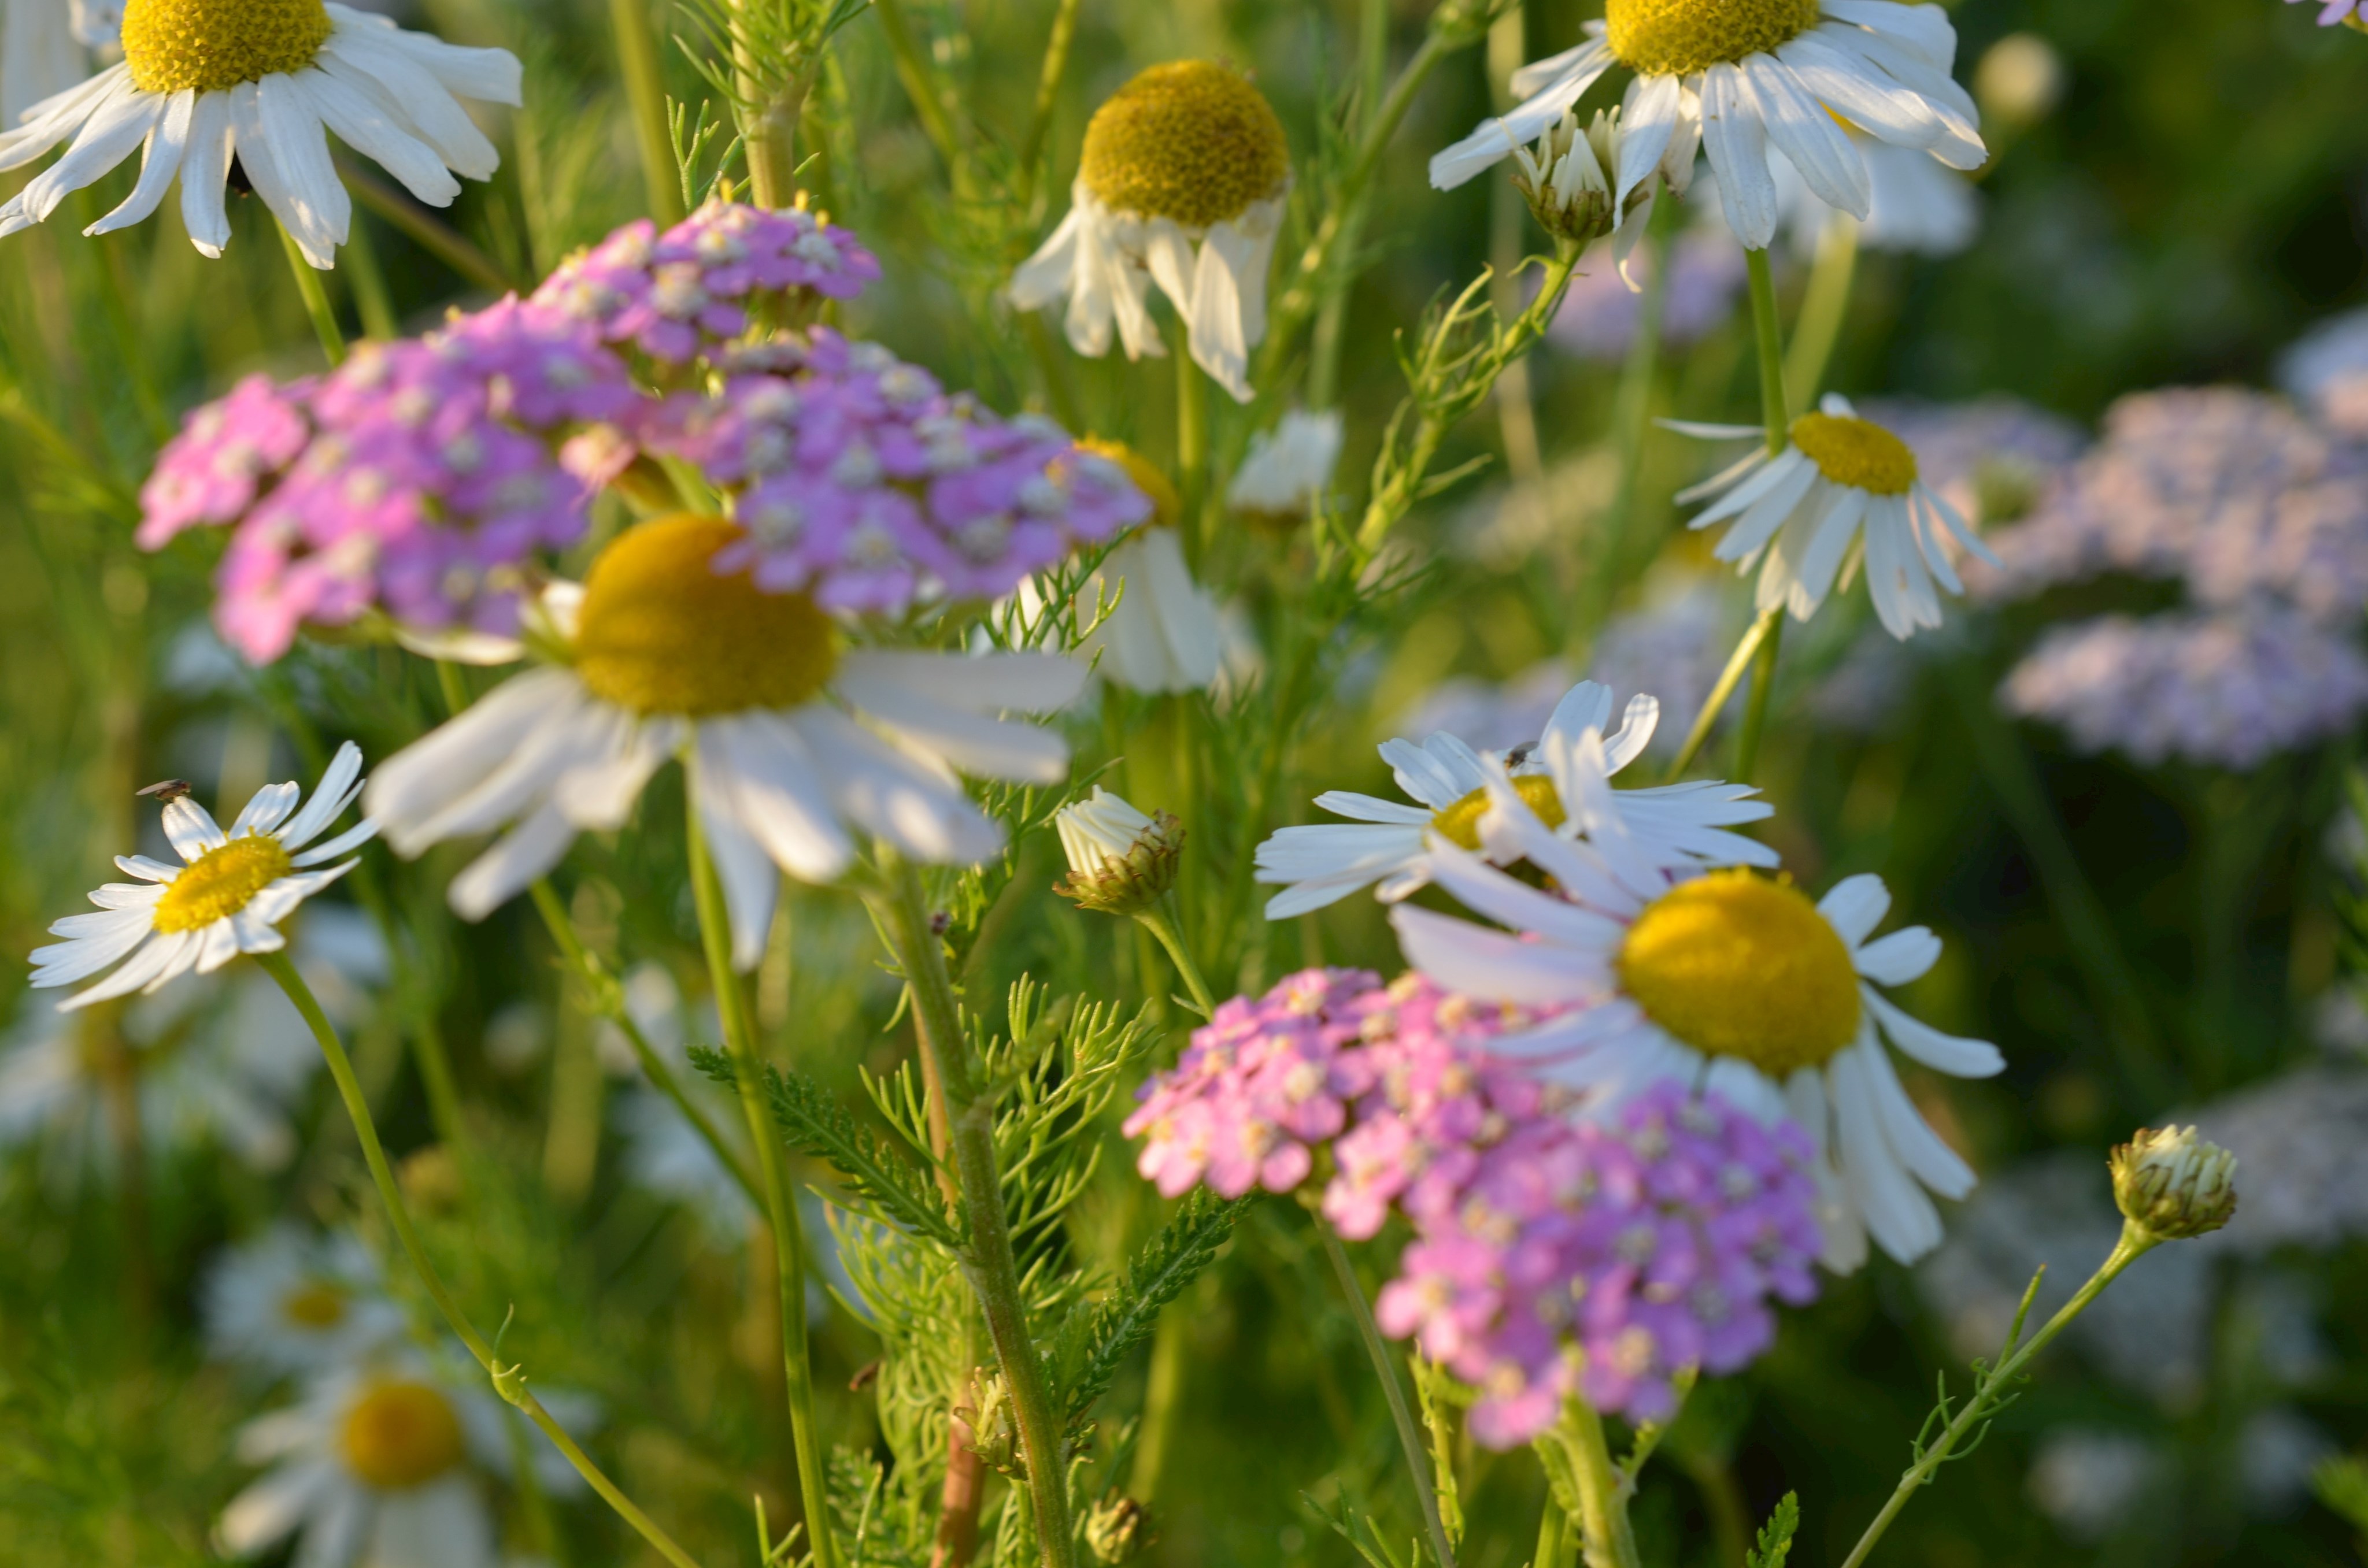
(371, 301)
(1385, 1369)
(609, 1000)
(1755, 710)
(994, 1271)
(768, 118)
(780, 1206)
(1632, 425)
(509, 1381)
(1192, 439)
(315, 294)
(1768, 335)
(1605, 1538)
(430, 234)
(1749, 644)
(1824, 306)
(1163, 1398)
(920, 85)
(1549, 1553)
(2133, 1245)
(638, 63)
(1160, 921)
(1039, 113)
(1372, 81)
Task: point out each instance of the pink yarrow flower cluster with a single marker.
(1552, 1255)
(681, 295)
(420, 479)
(861, 480)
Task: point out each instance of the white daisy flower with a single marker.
(287, 1301)
(1844, 489)
(204, 81)
(792, 737)
(1182, 184)
(383, 1463)
(1716, 976)
(229, 897)
(1288, 469)
(1915, 204)
(1738, 77)
(1393, 844)
(45, 47)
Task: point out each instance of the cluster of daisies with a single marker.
(1550, 1255)
(2260, 514)
(386, 1453)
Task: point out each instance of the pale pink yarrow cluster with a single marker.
(420, 479)
(861, 480)
(680, 295)
(1603, 1257)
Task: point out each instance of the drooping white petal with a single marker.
(1855, 906)
(1477, 961)
(205, 171)
(1949, 1053)
(167, 142)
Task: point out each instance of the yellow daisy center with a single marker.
(1856, 452)
(1460, 824)
(1678, 38)
(400, 1435)
(221, 882)
(317, 1303)
(172, 46)
(661, 632)
(1192, 140)
(1737, 964)
(1165, 505)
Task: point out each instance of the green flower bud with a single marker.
(1115, 1529)
(2171, 1185)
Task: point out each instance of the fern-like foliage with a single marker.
(888, 1186)
(1776, 1535)
(1094, 1341)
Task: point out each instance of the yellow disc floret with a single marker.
(662, 630)
(1191, 140)
(1165, 505)
(1678, 38)
(400, 1435)
(221, 882)
(317, 1303)
(172, 46)
(1738, 964)
(1460, 824)
(1856, 452)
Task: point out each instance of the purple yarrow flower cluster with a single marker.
(860, 480)
(1992, 457)
(2327, 373)
(2176, 469)
(419, 479)
(2222, 690)
(1604, 1258)
(682, 294)
(1600, 316)
(1551, 1255)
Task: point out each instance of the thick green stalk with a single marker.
(781, 1205)
(1192, 439)
(1739, 660)
(1425, 1490)
(1755, 710)
(970, 1131)
(1605, 1538)
(1768, 333)
(1550, 1550)
(2134, 1244)
(1823, 307)
(315, 295)
(1163, 1397)
(638, 63)
(509, 1381)
(608, 999)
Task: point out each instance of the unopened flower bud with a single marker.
(1565, 177)
(1115, 1529)
(1120, 861)
(994, 1436)
(2171, 1184)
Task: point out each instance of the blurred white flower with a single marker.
(1914, 204)
(45, 47)
(1289, 468)
(2090, 1481)
(288, 1301)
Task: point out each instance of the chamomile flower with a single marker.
(1165, 632)
(1718, 976)
(204, 81)
(45, 47)
(287, 1301)
(791, 737)
(1288, 469)
(1183, 185)
(1844, 489)
(1391, 843)
(1741, 78)
(384, 1462)
(229, 897)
